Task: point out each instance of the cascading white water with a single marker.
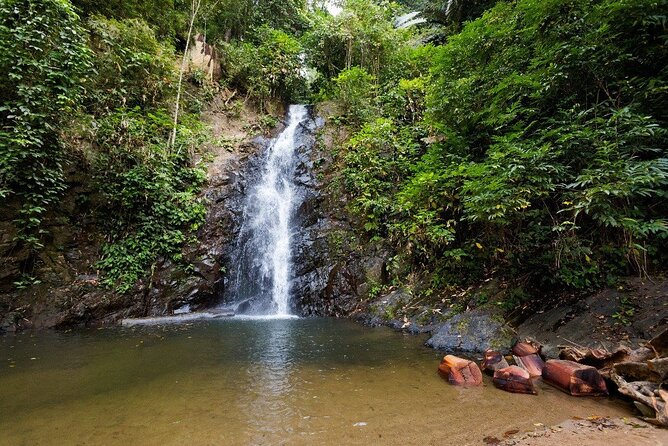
(264, 265)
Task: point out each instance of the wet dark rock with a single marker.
(473, 332)
(387, 306)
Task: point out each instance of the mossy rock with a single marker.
(473, 332)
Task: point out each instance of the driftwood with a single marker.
(648, 396)
(493, 361)
(460, 372)
(573, 378)
(514, 379)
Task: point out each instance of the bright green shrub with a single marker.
(355, 90)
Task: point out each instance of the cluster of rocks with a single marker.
(640, 374)
(569, 376)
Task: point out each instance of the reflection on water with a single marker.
(267, 403)
(260, 382)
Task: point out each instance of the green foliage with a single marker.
(454, 13)
(132, 68)
(362, 35)
(240, 19)
(151, 192)
(534, 149)
(167, 18)
(43, 59)
(377, 160)
(269, 69)
(624, 314)
(355, 91)
(512, 88)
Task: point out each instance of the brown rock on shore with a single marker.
(515, 380)
(573, 378)
(460, 372)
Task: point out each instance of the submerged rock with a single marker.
(474, 332)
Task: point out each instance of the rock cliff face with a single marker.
(332, 272)
(327, 274)
(329, 267)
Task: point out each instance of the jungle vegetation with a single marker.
(518, 139)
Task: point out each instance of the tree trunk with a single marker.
(195, 8)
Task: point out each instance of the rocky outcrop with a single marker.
(474, 332)
(332, 275)
(632, 312)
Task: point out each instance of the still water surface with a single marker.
(239, 382)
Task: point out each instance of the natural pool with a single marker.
(229, 382)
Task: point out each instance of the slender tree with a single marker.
(195, 5)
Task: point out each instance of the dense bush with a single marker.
(166, 17)
(150, 190)
(132, 68)
(43, 61)
(547, 155)
(269, 68)
(151, 193)
(228, 20)
(361, 36)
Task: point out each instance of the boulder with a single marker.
(473, 332)
(527, 357)
(531, 363)
(493, 361)
(514, 379)
(386, 307)
(460, 372)
(573, 378)
(524, 349)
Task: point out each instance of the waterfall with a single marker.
(263, 263)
